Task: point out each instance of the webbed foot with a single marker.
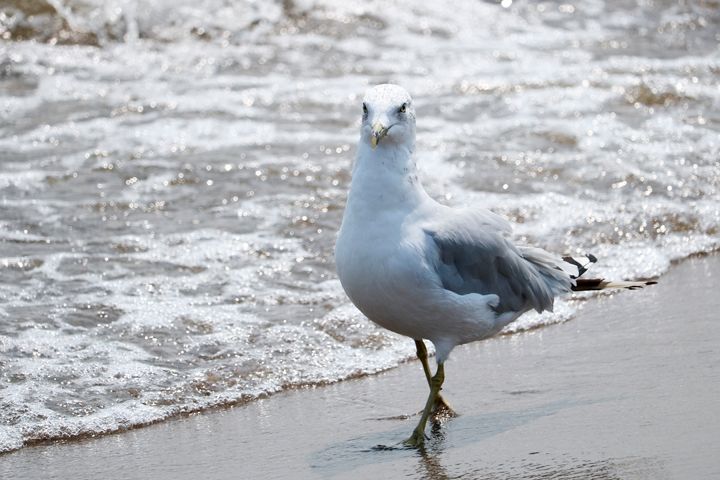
(416, 440)
(442, 410)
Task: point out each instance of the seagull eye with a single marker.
(365, 111)
(403, 108)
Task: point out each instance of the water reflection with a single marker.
(471, 447)
(436, 461)
(430, 466)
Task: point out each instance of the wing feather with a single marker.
(475, 255)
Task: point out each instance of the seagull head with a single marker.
(388, 116)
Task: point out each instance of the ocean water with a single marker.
(173, 174)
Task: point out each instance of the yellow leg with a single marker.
(423, 357)
(441, 408)
(417, 438)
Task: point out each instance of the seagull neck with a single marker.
(386, 178)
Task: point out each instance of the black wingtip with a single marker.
(641, 285)
(582, 267)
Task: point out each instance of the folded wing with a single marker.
(474, 255)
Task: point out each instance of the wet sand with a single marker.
(630, 389)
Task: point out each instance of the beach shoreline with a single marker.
(621, 391)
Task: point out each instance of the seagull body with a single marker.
(390, 263)
(428, 271)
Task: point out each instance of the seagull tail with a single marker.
(586, 284)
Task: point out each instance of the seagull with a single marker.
(432, 272)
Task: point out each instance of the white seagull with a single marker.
(428, 271)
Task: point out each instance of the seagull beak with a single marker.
(378, 132)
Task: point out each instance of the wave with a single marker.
(99, 22)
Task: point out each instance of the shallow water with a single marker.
(172, 175)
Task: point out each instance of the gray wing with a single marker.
(474, 255)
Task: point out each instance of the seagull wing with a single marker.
(474, 255)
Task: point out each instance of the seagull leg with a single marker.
(423, 357)
(440, 408)
(418, 436)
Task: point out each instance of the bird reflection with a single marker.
(430, 466)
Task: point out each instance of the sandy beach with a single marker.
(628, 390)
